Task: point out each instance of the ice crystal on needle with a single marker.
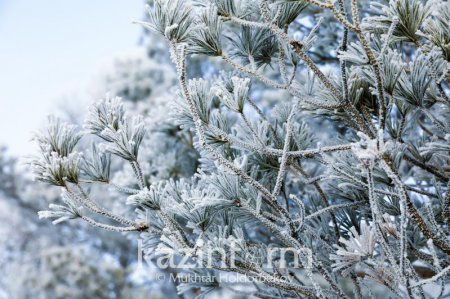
(353, 250)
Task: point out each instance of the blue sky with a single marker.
(49, 50)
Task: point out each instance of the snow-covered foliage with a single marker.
(41, 260)
(348, 170)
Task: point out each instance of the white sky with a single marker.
(49, 49)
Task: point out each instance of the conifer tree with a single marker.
(320, 127)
